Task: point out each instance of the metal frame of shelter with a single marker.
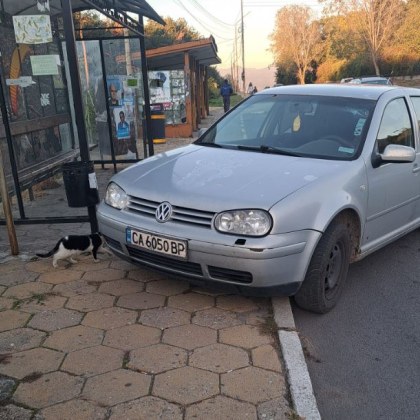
(117, 10)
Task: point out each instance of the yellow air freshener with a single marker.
(296, 123)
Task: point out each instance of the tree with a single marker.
(175, 31)
(342, 51)
(296, 38)
(374, 20)
(286, 73)
(408, 34)
(96, 26)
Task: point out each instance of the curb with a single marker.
(300, 385)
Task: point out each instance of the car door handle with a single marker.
(416, 168)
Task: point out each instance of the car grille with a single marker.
(164, 262)
(188, 268)
(184, 215)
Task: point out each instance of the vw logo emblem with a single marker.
(163, 212)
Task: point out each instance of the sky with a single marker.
(220, 18)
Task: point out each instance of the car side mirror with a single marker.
(394, 153)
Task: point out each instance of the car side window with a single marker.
(416, 103)
(395, 126)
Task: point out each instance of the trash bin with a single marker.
(80, 184)
(158, 123)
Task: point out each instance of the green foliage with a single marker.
(175, 31)
(90, 114)
(215, 75)
(215, 80)
(92, 19)
(213, 88)
(359, 66)
(218, 101)
(286, 74)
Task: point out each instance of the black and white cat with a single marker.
(73, 245)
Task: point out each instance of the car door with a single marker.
(393, 188)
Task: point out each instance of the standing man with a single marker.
(226, 90)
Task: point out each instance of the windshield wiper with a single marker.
(208, 144)
(269, 149)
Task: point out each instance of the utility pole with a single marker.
(243, 46)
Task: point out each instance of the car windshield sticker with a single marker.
(296, 123)
(359, 126)
(346, 149)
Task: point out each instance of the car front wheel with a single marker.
(327, 271)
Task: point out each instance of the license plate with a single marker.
(157, 243)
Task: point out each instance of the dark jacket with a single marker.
(226, 89)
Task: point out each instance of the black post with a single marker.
(77, 95)
(5, 115)
(145, 77)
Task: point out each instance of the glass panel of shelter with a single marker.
(124, 98)
(37, 98)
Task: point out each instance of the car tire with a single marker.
(327, 271)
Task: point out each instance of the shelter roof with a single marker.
(171, 57)
(140, 7)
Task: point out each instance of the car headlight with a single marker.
(116, 197)
(244, 222)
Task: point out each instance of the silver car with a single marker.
(279, 195)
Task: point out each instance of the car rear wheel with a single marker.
(327, 272)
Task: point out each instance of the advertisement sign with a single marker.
(32, 29)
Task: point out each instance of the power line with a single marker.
(279, 6)
(211, 21)
(207, 21)
(199, 22)
(210, 15)
(314, 7)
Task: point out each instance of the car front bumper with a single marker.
(271, 265)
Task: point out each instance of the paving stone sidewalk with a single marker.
(114, 341)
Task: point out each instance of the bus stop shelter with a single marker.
(43, 100)
(178, 82)
(191, 59)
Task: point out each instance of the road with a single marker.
(364, 356)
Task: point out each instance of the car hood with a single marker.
(216, 179)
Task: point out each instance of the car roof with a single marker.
(340, 89)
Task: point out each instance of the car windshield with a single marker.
(323, 127)
(371, 81)
(376, 81)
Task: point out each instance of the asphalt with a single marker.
(113, 340)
